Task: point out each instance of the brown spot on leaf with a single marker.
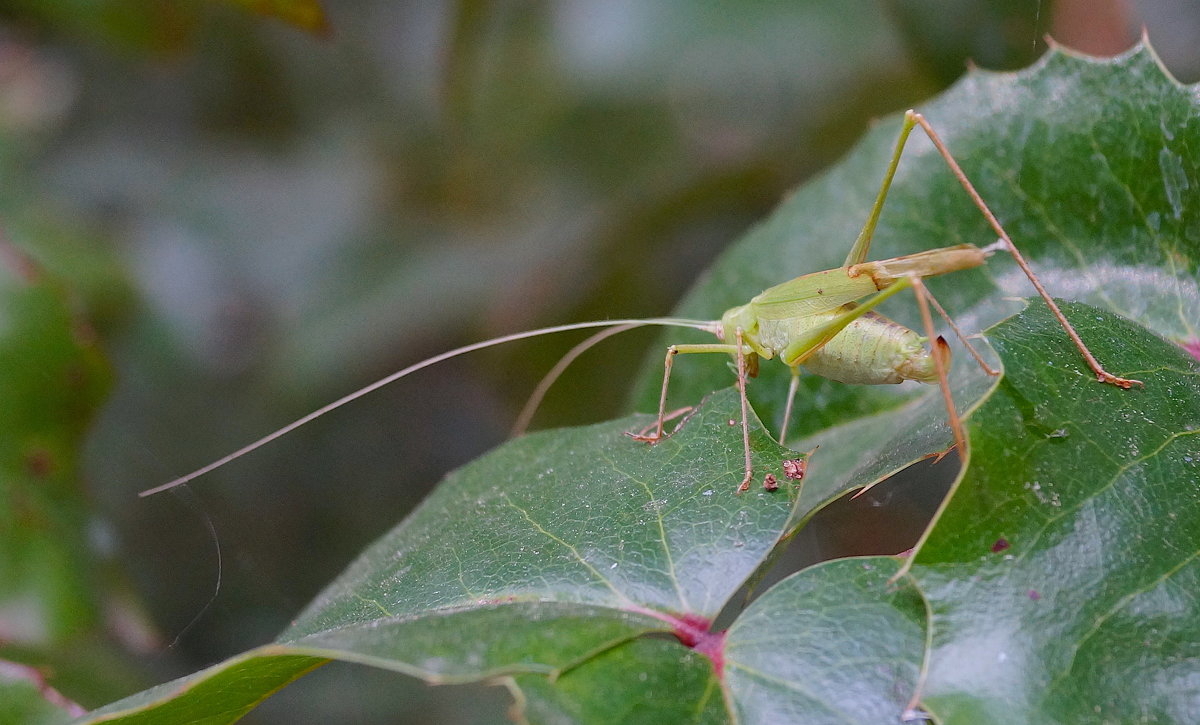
(795, 468)
(771, 483)
(1000, 545)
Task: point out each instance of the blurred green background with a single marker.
(233, 220)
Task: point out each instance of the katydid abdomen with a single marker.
(873, 350)
(870, 350)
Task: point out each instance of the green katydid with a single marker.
(814, 321)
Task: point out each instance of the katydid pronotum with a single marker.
(814, 321)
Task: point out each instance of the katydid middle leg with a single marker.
(793, 386)
(957, 332)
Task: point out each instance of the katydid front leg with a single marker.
(738, 350)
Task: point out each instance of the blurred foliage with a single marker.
(147, 26)
(52, 378)
(305, 14)
(255, 220)
(997, 34)
(56, 581)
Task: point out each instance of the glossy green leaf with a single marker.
(1062, 575)
(220, 694)
(535, 558)
(642, 682)
(586, 516)
(834, 643)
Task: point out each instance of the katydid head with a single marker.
(737, 318)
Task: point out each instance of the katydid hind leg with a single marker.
(1101, 374)
(741, 384)
(940, 351)
(793, 386)
(959, 333)
(862, 245)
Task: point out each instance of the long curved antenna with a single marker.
(707, 326)
(543, 386)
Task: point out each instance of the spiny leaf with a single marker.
(1062, 575)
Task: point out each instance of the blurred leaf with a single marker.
(945, 36)
(25, 698)
(52, 378)
(145, 25)
(162, 26)
(304, 14)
